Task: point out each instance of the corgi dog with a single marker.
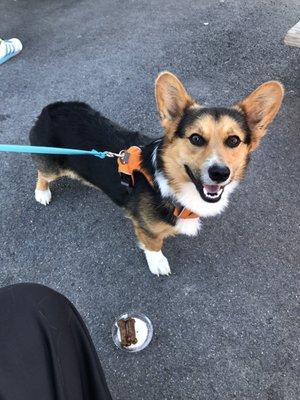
(182, 177)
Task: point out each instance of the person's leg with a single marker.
(45, 349)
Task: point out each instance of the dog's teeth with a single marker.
(212, 195)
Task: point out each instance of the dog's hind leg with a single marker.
(42, 190)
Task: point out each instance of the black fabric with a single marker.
(46, 352)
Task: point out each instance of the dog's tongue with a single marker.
(212, 188)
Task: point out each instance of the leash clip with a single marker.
(118, 155)
(124, 157)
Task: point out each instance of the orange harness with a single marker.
(131, 161)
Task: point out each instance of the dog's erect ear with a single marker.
(261, 107)
(171, 99)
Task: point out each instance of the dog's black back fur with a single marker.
(76, 125)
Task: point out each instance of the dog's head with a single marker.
(206, 150)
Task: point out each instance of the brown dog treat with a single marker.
(131, 334)
(123, 332)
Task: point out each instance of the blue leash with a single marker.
(14, 148)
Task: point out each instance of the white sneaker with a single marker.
(9, 48)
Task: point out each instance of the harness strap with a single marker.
(132, 161)
(185, 213)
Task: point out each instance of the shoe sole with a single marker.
(8, 57)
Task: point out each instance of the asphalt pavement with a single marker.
(226, 320)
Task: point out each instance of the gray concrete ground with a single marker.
(225, 321)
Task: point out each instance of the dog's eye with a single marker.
(197, 140)
(232, 141)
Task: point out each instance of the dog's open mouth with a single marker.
(209, 193)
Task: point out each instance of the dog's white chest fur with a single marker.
(189, 227)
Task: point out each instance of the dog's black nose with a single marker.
(218, 173)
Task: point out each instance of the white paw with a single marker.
(43, 196)
(157, 263)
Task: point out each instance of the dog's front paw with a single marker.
(157, 263)
(43, 196)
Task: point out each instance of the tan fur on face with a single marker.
(260, 108)
(181, 152)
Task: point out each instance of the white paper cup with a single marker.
(143, 329)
